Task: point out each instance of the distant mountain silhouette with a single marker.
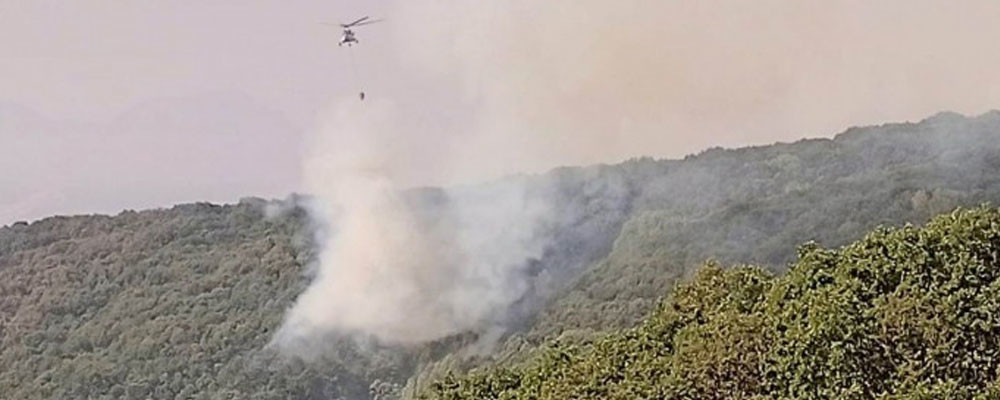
(215, 146)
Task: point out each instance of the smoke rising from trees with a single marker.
(550, 83)
(407, 266)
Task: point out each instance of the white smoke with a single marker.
(406, 272)
(396, 270)
(533, 84)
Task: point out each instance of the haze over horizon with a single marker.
(108, 106)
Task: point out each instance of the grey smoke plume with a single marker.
(576, 83)
(536, 84)
(397, 266)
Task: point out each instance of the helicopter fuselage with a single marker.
(348, 38)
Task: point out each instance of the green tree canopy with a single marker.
(907, 313)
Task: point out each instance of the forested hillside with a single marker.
(902, 314)
(755, 205)
(156, 304)
(182, 302)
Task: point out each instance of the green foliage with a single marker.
(755, 204)
(907, 313)
(182, 303)
(162, 304)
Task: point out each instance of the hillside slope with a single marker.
(902, 314)
(753, 205)
(182, 302)
(161, 304)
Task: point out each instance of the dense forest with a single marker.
(902, 314)
(184, 302)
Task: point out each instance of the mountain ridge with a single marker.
(90, 293)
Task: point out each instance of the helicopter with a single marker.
(348, 37)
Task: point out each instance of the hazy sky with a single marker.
(106, 105)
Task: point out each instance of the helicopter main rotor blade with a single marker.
(355, 22)
(368, 22)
